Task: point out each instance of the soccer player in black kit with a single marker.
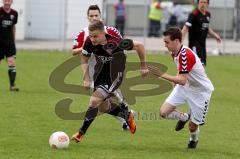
(109, 74)
(8, 20)
(198, 27)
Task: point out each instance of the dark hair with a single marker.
(96, 25)
(199, 0)
(93, 7)
(174, 33)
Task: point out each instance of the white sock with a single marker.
(121, 120)
(194, 135)
(177, 116)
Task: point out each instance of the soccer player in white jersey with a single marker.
(192, 86)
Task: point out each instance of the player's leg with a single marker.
(201, 52)
(95, 100)
(198, 103)
(120, 109)
(114, 105)
(204, 59)
(1, 56)
(168, 109)
(11, 60)
(194, 134)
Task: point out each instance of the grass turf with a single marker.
(28, 117)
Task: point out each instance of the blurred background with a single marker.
(61, 20)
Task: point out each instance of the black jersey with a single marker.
(110, 63)
(198, 25)
(7, 21)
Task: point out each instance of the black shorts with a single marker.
(7, 51)
(201, 52)
(107, 84)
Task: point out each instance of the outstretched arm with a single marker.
(180, 79)
(139, 47)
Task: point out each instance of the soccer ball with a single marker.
(59, 140)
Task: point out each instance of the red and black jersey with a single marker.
(110, 63)
(7, 21)
(98, 50)
(198, 25)
(82, 35)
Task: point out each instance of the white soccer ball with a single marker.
(59, 140)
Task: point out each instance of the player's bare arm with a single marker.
(180, 79)
(85, 68)
(139, 47)
(77, 51)
(214, 34)
(184, 31)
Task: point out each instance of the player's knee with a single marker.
(93, 103)
(163, 113)
(11, 61)
(192, 127)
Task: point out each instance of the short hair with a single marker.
(174, 33)
(199, 0)
(96, 25)
(93, 7)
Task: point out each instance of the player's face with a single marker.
(97, 37)
(93, 15)
(171, 45)
(7, 3)
(203, 5)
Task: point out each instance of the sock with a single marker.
(119, 110)
(123, 121)
(12, 75)
(177, 116)
(88, 119)
(194, 135)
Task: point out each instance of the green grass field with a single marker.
(28, 117)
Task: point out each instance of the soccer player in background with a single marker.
(94, 14)
(198, 27)
(192, 86)
(8, 20)
(110, 74)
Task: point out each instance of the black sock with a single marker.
(89, 117)
(12, 75)
(120, 110)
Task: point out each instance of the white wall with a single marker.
(222, 3)
(77, 15)
(19, 6)
(44, 19)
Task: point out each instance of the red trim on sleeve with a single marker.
(114, 32)
(79, 40)
(186, 60)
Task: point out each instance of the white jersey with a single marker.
(188, 62)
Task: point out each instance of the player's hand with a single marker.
(87, 84)
(144, 70)
(218, 38)
(155, 71)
